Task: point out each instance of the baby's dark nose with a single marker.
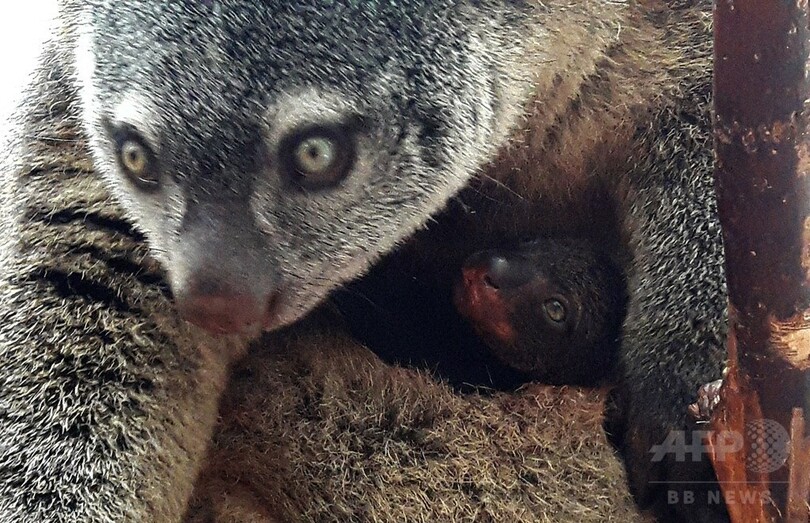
(497, 270)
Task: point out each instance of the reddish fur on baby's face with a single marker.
(483, 306)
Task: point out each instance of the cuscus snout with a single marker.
(221, 308)
(480, 295)
(224, 277)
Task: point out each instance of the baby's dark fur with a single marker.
(551, 308)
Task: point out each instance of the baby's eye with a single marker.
(555, 311)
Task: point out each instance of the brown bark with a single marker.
(799, 483)
(763, 184)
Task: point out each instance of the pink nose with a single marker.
(222, 313)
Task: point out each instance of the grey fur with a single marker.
(428, 95)
(108, 398)
(101, 424)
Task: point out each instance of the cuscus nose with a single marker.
(497, 270)
(479, 300)
(221, 309)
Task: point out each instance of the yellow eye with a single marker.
(315, 156)
(134, 157)
(318, 158)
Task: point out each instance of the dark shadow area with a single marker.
(410, 320)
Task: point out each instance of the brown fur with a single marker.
(616, 150)
(316, 428)
(564, 173)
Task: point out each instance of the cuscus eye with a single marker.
(315, 156)
(133, 157)
(555, 311)
(318, 158)
(136, 159)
